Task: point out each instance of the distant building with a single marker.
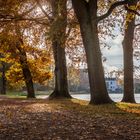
(84, 82)
(136, 81)
(137, 85)
(112, 85)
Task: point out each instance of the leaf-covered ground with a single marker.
(22, 119)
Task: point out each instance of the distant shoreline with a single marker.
(75, 93)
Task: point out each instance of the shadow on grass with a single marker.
(115, 109)
(81, 106)
(67, 119)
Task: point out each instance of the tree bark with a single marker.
(24, 63)
(61, 83)
(26, 70)
(128, 95)
(27, 75)
(87, 17)
(59, 16)
(3, 79)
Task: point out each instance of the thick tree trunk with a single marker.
(3, 79)
(59, 16)
(61, 83)
(128, 95)
(86, 14)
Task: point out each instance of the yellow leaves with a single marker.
(133, 7)
(130, 15)
(128, 107)
(38, 61)
(14, 76)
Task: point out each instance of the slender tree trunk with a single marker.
(87, 14)
(58, 43)
(3, 79)
(128, 95)
(24, 63)
(27, 75)
(26, 70)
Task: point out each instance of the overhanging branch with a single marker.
(37, 20)
(112, 7)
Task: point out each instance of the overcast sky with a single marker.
(114, 54)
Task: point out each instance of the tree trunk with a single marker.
(25, 69)
(61, 83)
(87, 14)
(59, 16)
(128, 95)
(3, 79)
(24, 63)
(27, 75)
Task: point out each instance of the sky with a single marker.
(114, 54)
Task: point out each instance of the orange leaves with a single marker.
(40, 68)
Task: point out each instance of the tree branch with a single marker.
(136, 25)
(45, 13)
(9, 17)
(112, 7)
(27, 12)
(37, 20)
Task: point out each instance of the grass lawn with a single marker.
(36, 119)
(20, 94)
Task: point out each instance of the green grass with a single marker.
(15, 94)
(20, 94)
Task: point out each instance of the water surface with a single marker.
(116, 97)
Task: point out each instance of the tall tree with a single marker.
(58, 30)
(86, 12)
(19, 43)
(26, 73)
(26, 70)
(128, 95)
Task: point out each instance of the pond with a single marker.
(84, 96)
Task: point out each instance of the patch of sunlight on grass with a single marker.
(80, 102)
(129, 107)
(108, 110)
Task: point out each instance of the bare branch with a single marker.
(27, 12)
(136, 25)
(45, 13)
